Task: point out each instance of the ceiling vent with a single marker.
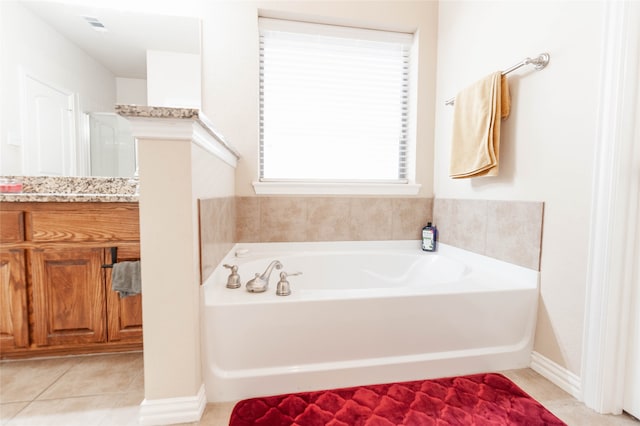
(95, 23)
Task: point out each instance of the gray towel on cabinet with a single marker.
(125, 278)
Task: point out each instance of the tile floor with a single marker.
(106, 390)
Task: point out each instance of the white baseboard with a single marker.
(173, 410)
(560, 376)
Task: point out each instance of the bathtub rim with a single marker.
(478, 264)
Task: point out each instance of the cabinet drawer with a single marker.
(128, 253)
(123, 253)
(11, 226)
(87, 225)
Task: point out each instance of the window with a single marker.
(333, 103)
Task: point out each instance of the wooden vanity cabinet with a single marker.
(68, 296)
(124, 315)
(56, 292)
(14, 325)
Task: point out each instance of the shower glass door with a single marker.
(112, 146)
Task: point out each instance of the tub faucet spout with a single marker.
(260, 282)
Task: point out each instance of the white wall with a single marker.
(174, 174)
(173, 79)
(31, 46)
(547, 144)
(131, 91)
(231, 68)
(167, 285)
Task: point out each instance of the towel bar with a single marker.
(114, 257)
(538, 63)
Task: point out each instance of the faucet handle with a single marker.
(233, 281)
(284, 288)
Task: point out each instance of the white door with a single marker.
(632, 376)
(49, 142)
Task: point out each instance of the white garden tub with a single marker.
(363, 313)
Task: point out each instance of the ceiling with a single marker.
(122, 48)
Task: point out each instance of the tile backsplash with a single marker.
(273, 219)
(506, 230)
(217, 232)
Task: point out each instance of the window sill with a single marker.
(314, 188)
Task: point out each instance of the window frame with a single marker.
(404, 185)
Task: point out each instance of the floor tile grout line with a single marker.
(9, 420)
(92, 395)
(44, 390)
(118, 397)
(54, 382)
(84, 360)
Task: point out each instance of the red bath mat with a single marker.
(481, 400)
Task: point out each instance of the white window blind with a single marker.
(333, 103)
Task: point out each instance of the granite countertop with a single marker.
(137, 111)
(67, 198)
(73, 190)
(95, 189)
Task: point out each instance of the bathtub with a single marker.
(362, 313)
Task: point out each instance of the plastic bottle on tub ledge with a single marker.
(429, 236)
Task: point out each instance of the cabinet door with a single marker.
(14, 326)
(124, 315)
(11, 226)
(68, 296)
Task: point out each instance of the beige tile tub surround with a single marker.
(285, 219)
(506, 230)
(217, 232)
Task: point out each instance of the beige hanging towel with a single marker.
(475, 144)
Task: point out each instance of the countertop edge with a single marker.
(138, 111)
(67, 198)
